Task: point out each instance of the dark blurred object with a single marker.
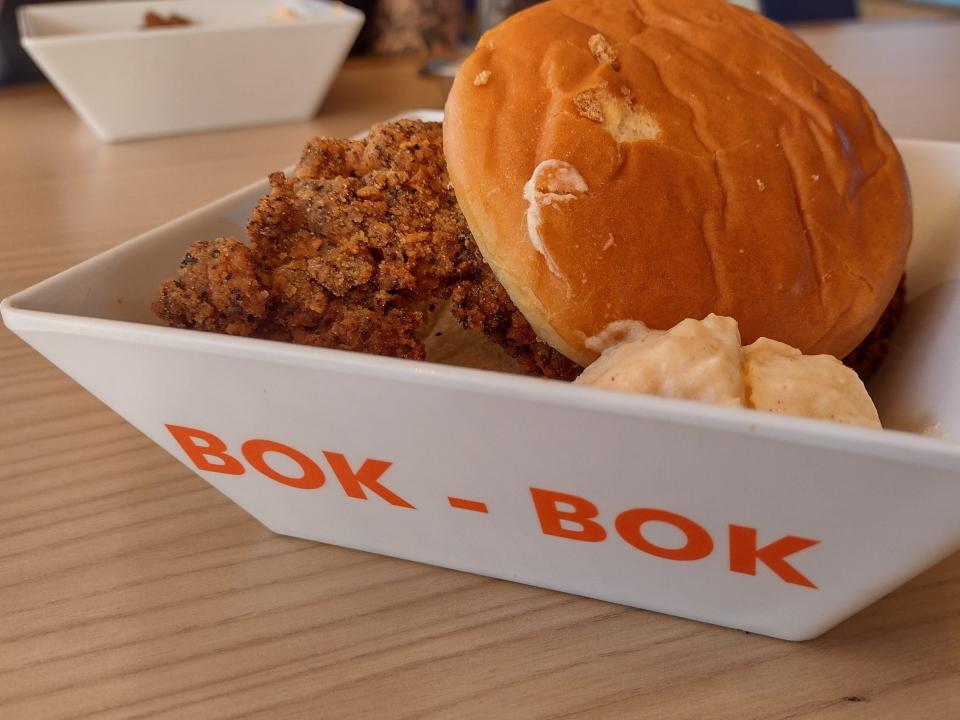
(487, 14)
(787, 11)
(433, 27)
(493, 12)
(15, 65)
(362, 43)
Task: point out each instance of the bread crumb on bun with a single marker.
(727, 169)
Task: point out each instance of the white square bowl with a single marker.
(781, 526)
(233, 66)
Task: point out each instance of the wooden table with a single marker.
(130, 588)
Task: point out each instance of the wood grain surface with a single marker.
(129, 588)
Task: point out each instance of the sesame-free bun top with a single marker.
(660, 160)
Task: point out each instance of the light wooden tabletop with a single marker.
(130, 588)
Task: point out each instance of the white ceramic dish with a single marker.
(723, 515)
(233, 66)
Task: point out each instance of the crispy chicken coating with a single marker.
(217, 289)
(351, 253)
(868, 355)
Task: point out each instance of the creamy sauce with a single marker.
(553, 181)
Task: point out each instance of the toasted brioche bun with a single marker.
(692, 157)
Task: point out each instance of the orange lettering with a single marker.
(744, 554)
(552, 517)
(254, 450)
(214, 447)
(699, 543)
(367, 476)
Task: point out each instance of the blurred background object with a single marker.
(789, 11)
(786, 11)
(909, 9)
(15, 65)
(492, 12)
(432, 27)
(445, 28)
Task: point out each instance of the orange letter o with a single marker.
(254, 450)
(699, 543)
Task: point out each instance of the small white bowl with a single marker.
(232, 66)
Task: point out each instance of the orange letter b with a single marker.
(551, 517)
(213, 447)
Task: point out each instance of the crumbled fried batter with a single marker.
(349, 252)
(865, 359)
(217, 289)
(482, 78)
(602, 50)
(480, 302)
(152, 20)
(589, 104)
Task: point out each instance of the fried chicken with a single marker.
(868, 355)
(359, 247)
(353, 252)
